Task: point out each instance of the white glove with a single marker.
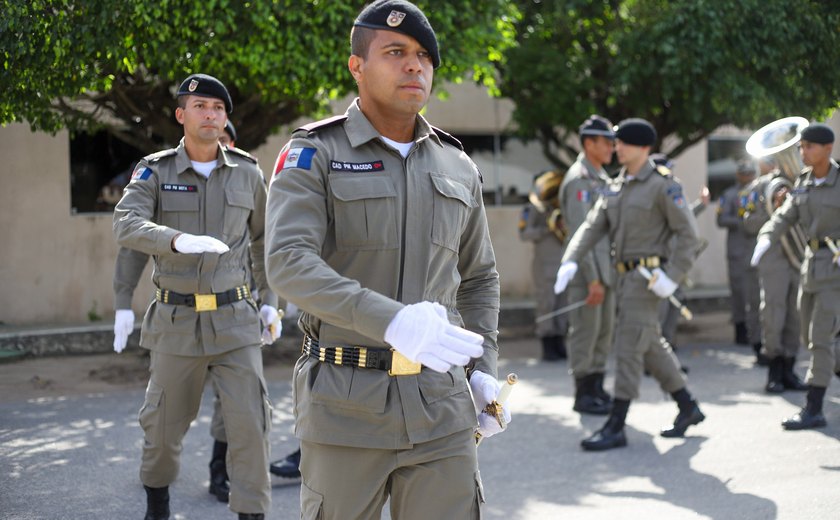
(662, 286)
(193, 244)
(761, 247)
(272, 325)
(422, 333)
(485, 389)
(564, 275)
(123, 326)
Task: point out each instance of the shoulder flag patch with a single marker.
(300, 157)
(583, 196)
(141, 173)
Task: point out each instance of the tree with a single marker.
(688, 66)
(115, 65)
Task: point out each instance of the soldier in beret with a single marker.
(376, 230)
(590, 327)
(814, 203)
(639, 211)
(198, 209)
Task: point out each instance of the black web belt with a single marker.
(203, 302)
(651, 262)
(362, 357)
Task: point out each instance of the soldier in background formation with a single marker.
(814, 204)
(779, 279)
(640, 210)
(743, 280)
(589, 339)
(542, 222)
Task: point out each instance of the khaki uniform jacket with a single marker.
(548, 250)
(355, 232)
(756, 215)
(640, 215)
(730, 216)
(166, 197)
(581, 188)
(817, 209)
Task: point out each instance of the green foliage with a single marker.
(115, 64)
(689, 66)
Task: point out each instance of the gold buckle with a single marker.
(402, 366)
(205, 302)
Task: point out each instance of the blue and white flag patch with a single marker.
(299, 158)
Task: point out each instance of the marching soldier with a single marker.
(639, 211)
(541, 222)
(590, 326)
(815, 205)
(738, 248)
(199, 209)
(779, 279)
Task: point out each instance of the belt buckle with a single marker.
(205, 302)
(402, 366)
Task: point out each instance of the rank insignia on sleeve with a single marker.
(141, 173)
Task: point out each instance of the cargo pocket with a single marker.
(435, 386)
(151, 416)
(311, 504)
(180, 211)
(452, 203)
(365, 212)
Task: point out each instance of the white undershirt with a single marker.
(403, 148)
(204, 168)
(819, 181)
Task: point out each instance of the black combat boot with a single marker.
(741, 337)
(789, 378)
(599, 389)
(251, 516)
(560, 346)
(774, 376)
(586, 400)
(157, 503)
(549, 350)
(689, 414)
(811, 416)
(219, 481)
(612, 434)
(288, 467)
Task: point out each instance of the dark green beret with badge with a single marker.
(402, 17)
(205, 86)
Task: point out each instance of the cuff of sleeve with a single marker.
(122, 300)
(374, 313)
(163, 242)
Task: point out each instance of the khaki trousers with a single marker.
(779, 313)
(433, 480)
(172, 400)
(589, 341)
(639, 344)
(820, 314)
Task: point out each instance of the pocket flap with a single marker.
(240, 198)
(178, 201)
(359, 188)
(453, 189)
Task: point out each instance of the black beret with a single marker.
(402, 17)
(207, 86)
(745, 166)
(818, 133)
(597, 125)
(637, 132)
(231, 130)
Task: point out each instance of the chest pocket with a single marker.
(238, 207)
(180, 211)
(638, 209)
(365, 211)
(452, 203)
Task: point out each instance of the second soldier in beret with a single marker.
(377, 232)
(639, 211)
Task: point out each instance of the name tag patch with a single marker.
(188, 188)
(343, 166)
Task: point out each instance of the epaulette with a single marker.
(155, 157)
(323, 123)
(448, 138)
(663, 170)
(242, 153)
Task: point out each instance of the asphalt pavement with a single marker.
(66, 455)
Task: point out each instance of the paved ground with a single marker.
(70, 444)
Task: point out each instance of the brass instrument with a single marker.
(778, 140)
(545, 196)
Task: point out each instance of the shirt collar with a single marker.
(360, 130)
(183, 162)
